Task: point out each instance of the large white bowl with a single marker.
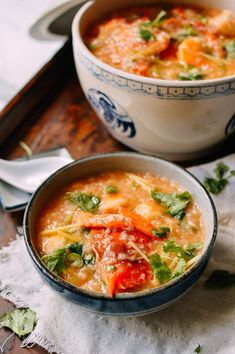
(174, 119)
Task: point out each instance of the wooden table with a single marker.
(61, 118)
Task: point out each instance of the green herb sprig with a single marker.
(230, 49)
(174, 203)
(110, 189)
(57, 261)
(198, 349)
(217, 184)
(86, 202)
(180, 268)
(160, 269)
(204, 19)
(21, 321)
(145, 33)
(191, 75)
(189, 31)
(159, 19)
(161, 232)
(186, 253)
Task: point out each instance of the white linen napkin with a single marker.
(205, 317)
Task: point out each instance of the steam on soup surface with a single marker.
(167, 42)
(120, 232)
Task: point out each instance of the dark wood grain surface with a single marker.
(63, 118)
(35, 90)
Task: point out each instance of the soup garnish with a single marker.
(103, 235)
(166, 41)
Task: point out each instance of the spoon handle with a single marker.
(28, 175)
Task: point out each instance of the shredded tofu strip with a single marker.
(161, 43)
(146, 51)
(68, 236)
(173, 264)
(136, 248)
(193, 260)
(145, 185)
(215, 59)
(65, 228)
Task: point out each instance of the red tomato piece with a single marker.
(139, 222)
(103, 241)
(127, 275)
(170, 52)
(111, 244)
(148, 243)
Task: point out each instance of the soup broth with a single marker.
(120, 232)
(167, 42)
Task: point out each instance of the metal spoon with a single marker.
(28, 175)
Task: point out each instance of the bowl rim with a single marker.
(127, 296)
(78, 41)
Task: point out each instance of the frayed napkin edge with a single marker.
(35, 337)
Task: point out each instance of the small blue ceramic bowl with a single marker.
(127, 304)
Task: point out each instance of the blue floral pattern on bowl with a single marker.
(230, 128)
(112, 113)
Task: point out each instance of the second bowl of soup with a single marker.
(121, 233)
(160, 75)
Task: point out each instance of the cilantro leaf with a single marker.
(85, 202)
(204, 19)
(221, 170)
(161, 232)
(76, 248)
(21, 321)
(182, 252)
(191, 75)
(111, 189)
(174, 203)
(189, 31)
(230, 49)
(145, 34)
(220, 279)
(180, 268)
(57, 261)
(71, 254)
(217, 184)
(198, 349)
(159, 19)
(160, 268)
